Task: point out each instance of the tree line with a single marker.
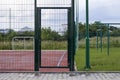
(49, 34)
(97, 27)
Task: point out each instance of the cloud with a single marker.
(19, 13)
(103, 10)
(100, 10)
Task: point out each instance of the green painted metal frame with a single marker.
(108, 38)
(87, 66)
(97, 34)
(101, 40)
(108, 35)
(39, 24)
(71, 37)
(97, 41)
(36, 36)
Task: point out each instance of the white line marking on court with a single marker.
(53, 50)
(60, 60)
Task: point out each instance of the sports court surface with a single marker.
(17, 60)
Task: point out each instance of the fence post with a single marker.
(72, 46)
(36, 56)
(108, 33)
(87, 37)
(97, 40)
(101, 39)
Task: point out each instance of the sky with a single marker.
(99, 10)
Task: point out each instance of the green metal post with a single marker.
(101, 39)
(97, 40)
(73, 37)
(87, 37)
(36, 57)
(108, 39)
(74, 29)
(69, 38)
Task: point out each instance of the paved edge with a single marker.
(64, 72)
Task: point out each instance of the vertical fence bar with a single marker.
(69, 38)
(72, 52)
(87, 37)
(24, 43)
(97, 40)
(39, 37)
(108, 34)
(36, 57)
(101, 39)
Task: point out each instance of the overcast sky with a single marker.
(99, 10)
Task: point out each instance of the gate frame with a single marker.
(39, 28)
(71, 38)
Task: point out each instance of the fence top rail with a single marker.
(53, 7)
(111, 23)
(104, 24)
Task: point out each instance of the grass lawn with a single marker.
(99, 61)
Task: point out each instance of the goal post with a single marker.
(22, 43)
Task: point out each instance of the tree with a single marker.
(0, 37)
(93, 27)
(10, 35)
(48, 34)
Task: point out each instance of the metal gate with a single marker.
(53, 36)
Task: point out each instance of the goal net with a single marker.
(22, 43)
